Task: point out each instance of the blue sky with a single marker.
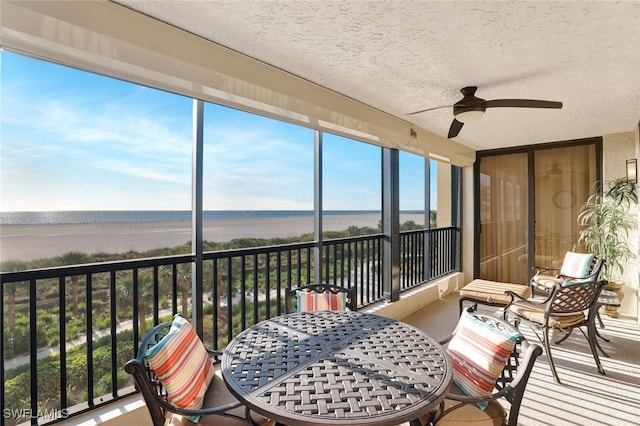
(72, 140)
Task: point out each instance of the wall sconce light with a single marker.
(632, 170)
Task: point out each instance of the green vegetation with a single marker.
(235, 276)
(607, 224)
(16, 295)
(18, 380)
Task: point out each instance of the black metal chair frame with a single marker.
(574, 298)
(594, 272)
(351, 302)
(154, 393)
(511, 383)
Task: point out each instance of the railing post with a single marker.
(391, 224)
(427, 272)
(317, 201)
(456, 213)
(197, 299)
(2, 345)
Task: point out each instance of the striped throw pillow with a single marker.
(576, 264)
(182, 365)
(325, 301)
(478, 354)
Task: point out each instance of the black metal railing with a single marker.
(68, 331)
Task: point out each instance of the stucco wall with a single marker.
(443, 218)
(617, 148)
(418, 298)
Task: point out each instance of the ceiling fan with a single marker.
(471, 108)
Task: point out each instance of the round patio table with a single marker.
(337, 368)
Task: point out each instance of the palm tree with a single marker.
(145, 294)
(12, 287)
(184, 286)
(74, 258)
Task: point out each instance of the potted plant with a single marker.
(607, 223)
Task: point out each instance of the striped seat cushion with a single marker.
(535, 313)
(320, 301)
(182, 365)
(478, 354)
(493, 291)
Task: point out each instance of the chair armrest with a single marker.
(570, 278)
(462, 400)
(517, 298)
(512, 391)
(446, 340)
(545, 269)
(151, 397)
(465, 399)
(214, 352)
(514, 298)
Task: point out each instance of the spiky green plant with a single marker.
(607, 223)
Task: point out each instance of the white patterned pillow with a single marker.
(479, 352)
(576, 265)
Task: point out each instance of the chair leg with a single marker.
(565, 337)
(593, 344)
(461, 301)
(516, 319)
(599, 317)
(547, 347)
(597, 332)
(602, 351)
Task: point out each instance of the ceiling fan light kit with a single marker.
(469, 116)
(471, 108)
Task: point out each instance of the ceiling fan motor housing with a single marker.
(469, 102)
(469, 105)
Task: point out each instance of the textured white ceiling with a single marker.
(403, 56)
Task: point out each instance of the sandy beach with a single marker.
(31, 242)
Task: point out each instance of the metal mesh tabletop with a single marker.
(337, 368)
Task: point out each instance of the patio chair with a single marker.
(164, 347)
(465, 404)
(570, 305)
(575, 266)
(318, 297)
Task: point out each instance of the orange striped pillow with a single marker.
(478, 354)
(325, 301)
(182, 365)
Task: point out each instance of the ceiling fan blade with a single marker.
(522, 103)
(429, 109)
(455, 128)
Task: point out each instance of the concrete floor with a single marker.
(585, 397)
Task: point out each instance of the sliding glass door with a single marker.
(528, 205)
(564, 180)
(503, 217)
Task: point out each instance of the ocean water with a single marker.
(44, 235)
(116, 216)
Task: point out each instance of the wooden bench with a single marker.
(491, 293)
